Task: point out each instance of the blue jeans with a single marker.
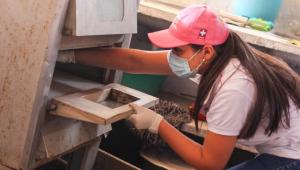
(268, 162)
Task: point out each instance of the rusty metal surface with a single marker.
(63, 134)
(24, 31)
(4, 168)
(43, 87)
(39, 162)
(28, 49)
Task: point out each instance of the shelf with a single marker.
(181, 101)
(64, 83)
(265, 39)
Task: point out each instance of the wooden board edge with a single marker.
(68, 111)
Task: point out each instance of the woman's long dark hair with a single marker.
(275, 83)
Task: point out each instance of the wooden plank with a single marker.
(106, 161)
(104, 17)
(25, 51)
(81, 109)
(61, 135)
(85, 105)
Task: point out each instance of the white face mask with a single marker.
(181, 67)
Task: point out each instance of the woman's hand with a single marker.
(145, 118)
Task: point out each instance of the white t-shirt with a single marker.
(229, 108)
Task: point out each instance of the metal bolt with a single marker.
(67, 32)
(53, 106)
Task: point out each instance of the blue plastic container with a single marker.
(265, 9)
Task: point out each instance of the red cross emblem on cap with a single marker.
(202, 35)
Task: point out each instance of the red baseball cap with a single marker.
(197, 24)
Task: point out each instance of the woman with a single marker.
(248, 97)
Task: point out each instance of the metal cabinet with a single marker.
(101, 17)
(32, 32)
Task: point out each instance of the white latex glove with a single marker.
(66, 56)
(145, 118)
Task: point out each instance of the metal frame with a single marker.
(53, 31)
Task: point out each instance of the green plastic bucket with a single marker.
(149, 84)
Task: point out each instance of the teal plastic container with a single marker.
(149, 84)
(265, 9)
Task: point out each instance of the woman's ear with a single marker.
(208, 52)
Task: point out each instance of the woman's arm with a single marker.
(127, 60)
(214, 154)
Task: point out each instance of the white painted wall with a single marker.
(290, 10)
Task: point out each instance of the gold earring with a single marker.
(204, 61)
